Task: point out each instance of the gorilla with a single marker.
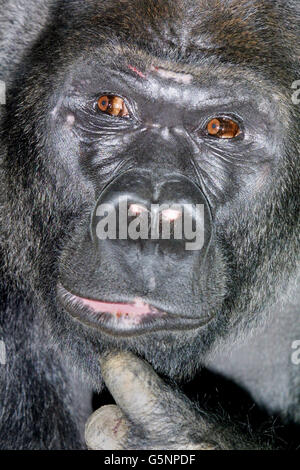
(122, 116)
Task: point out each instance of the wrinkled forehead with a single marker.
(111, 67)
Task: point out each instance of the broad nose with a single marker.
(163, 214)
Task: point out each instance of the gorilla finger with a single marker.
(106, 429)
(136, 388)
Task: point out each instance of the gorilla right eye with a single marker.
(223, 128)
(112, 105)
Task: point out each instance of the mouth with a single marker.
(124, 318)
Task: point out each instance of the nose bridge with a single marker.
(166, 148)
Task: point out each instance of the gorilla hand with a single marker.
(149, 413)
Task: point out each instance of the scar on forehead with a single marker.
(138, 72)
(179, 77)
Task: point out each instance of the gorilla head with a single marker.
(153, 104)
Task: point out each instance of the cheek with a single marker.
(261, 179)
(254, 183)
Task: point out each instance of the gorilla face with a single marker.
(165, 150)
(108, 121)
(139, 285)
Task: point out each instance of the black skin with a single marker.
(230, 311)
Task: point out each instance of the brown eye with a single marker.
(113, 105)
(223, 128)
(103, 103)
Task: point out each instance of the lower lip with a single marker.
(135, 310)
(123, 319)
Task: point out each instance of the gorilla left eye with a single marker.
(112, 105)
(223, 128)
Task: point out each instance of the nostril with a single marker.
(136, 209)
(171, 215)
(127, 212)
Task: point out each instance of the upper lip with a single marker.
(140, 318)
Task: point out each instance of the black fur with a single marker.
(50, 181)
